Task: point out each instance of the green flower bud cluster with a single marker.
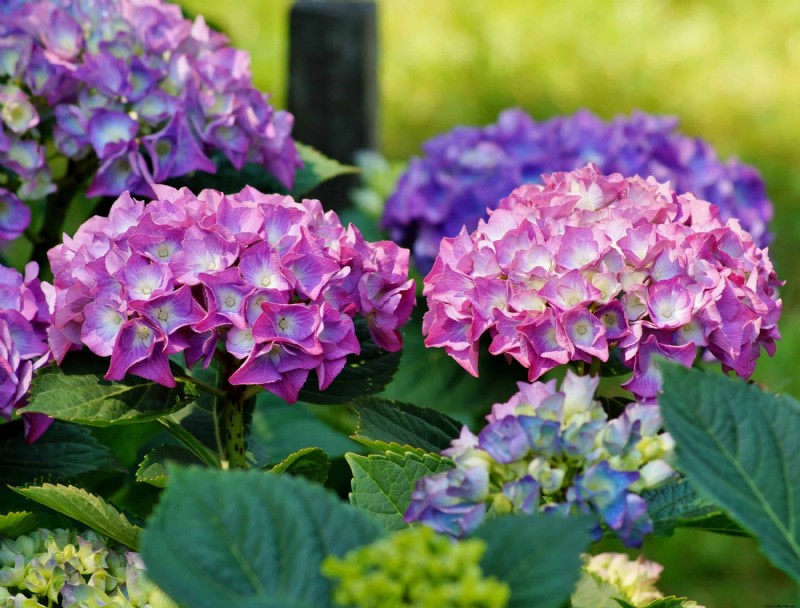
(49, 568)
(415, 568)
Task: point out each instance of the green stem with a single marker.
(233, 431)
(211, 390)
(237, 413)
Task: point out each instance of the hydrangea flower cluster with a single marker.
(132, 84)
(470, 168)
(64, 568)
(587, 265)
(553, 451)
(279, 281)
(24, 318)
(415, 568)
(634, 579)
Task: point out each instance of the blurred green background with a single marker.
(728, 69)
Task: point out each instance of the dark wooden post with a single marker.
(333, 83)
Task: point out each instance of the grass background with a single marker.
(728, 69)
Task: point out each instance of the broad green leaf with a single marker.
(741, 447)
(153, 469)
(591, 592)
(244, 538)
(382, 484)
(394, 422)
(677, 504)
(381, 447)
(20, 522)
(64, 451)
(316, 169)
(431, 378)
(189, 441)
(667, 602)
(311, 463)
(365, 374)
(77, 392)
(279, 430)
(539, 556)
(85, 508)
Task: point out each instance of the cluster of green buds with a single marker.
(73, 570)
(634, 579)
(415, 568)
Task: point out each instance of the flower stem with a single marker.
(233, 430)
(237, 404)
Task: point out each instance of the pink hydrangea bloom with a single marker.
(24, 317)
(277, 282)
(586, 263)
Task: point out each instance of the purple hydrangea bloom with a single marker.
(24, 318)
(553, 451)
(275, 281)
(133, 88)
(587, 263)
(469, 169)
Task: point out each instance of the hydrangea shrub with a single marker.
(469, 169)
(130, 92)
(587, 265)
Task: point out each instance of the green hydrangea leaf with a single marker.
(430, 377)
(19, 522)
(311, 463)
(245, 539)
(64, 451)
(591, 592)
(86, 508)
(406, 424)
(741, 447)
(678, 504)
(538, 555)
(153, 469)
(667, 602)
(317, 168)
(382, 483)
(77, 392)
(365, 374)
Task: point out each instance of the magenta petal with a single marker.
(137, 340)
(291, 323)
(240, 342)
(172, 310)
(35, 426)
(261, 267)
(260, 367)
(586, 332)
(155, 368)
(646, 380)
(102, 324)
(288, 387)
